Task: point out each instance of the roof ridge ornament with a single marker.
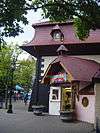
(62, 49)
(56, 27)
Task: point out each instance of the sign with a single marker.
(58, 78)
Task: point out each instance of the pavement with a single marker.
(22, 121)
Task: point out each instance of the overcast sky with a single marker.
(33, 17)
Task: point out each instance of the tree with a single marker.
(7, 56)
(5, 60)
(86, 13)
(14, 71)
(8, 59)
(24, 73)
(12, 13)
(23, 70)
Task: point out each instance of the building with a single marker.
(68, 70)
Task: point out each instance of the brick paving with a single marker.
(22, 121)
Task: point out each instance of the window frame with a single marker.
(52, 94)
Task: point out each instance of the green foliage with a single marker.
(8, 57)
(87, 13)
(24, 73)
(82, 28)
(14, 71)
(11, 13)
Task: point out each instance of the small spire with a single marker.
(61, 50)
(56, 27)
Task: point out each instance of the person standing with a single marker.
(26, 99)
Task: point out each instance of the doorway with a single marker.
(54, 100)
(66, 99)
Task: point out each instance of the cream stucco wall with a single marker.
(47, 61)
(86, 114)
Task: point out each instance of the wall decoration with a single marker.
(85, 102)
(75, 87)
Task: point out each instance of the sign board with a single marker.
(58, 78)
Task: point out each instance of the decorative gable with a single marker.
(56, 74)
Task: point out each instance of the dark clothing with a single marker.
(1, 102)
(26, 99)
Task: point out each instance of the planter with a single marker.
(38, 109)
(67, 115)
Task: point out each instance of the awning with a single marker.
(78, 69)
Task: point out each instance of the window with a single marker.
(57, 36)
(55, 93)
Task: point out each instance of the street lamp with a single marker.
(13, 65)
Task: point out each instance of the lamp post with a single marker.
(11, 88)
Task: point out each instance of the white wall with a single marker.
(47, 61)
(86, 114)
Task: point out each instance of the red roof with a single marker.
(46, 23)
(80, 69)
(43, 37)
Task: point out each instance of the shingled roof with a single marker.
(43, 39)
(80, 69)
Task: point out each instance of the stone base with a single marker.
(38, 109)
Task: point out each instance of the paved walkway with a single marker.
(22, 121)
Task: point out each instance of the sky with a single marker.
(33, 17)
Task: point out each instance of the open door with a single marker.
(66, 99)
